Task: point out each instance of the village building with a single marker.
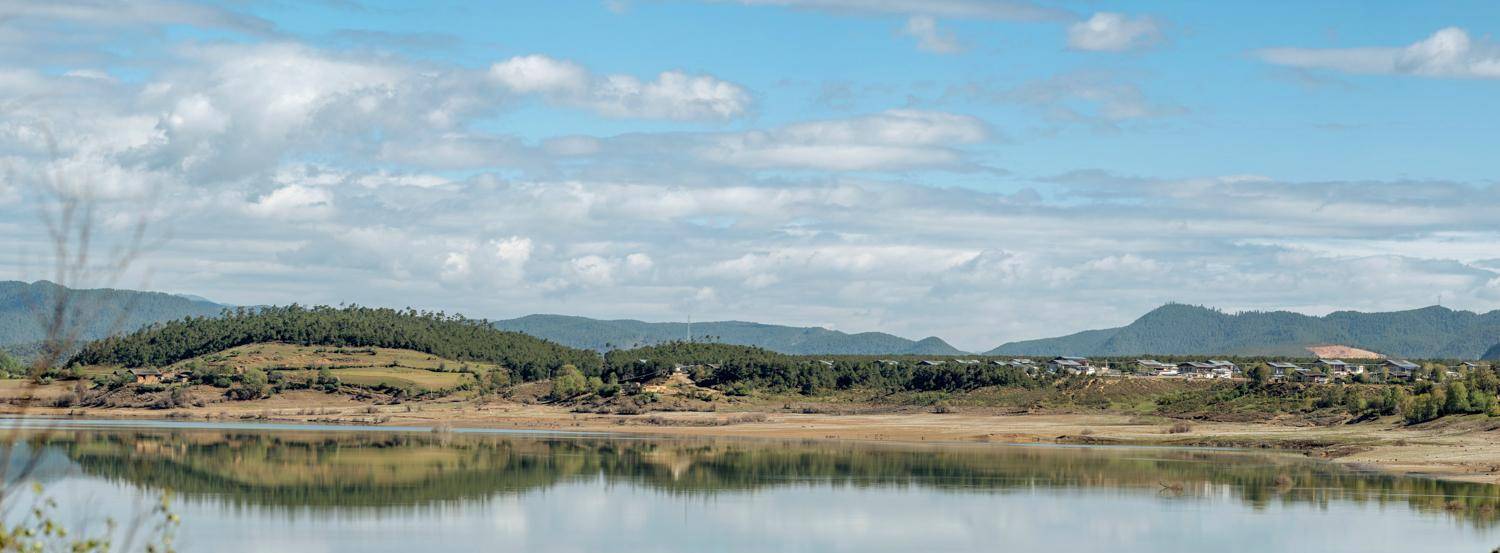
(1281, 370)
(1224, 365)
(929, 363)
(1070, 365)
(146, 376)
(1313, 376)
(1154, 368)
(1400, 368)
(1198, 369)
(1333, 367)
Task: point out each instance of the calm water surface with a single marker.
(316, 489)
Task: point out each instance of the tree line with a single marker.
(737, 368)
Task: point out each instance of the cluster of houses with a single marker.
(1320, 371)
(153, 376)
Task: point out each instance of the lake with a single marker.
(333, 489)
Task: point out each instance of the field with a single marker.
(358, 366)
(393, 377)
(289, 356)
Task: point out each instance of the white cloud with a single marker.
(929, 37)
(897, 139)
(510, 256)
(485, 265)
(673, 95)
(1114, 32)
(293, 202)
(593, 270)
(638, 264)
(1449, 52)
(536, 73)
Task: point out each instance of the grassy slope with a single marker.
(370, 367)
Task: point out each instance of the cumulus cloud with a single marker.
(483, 265)
(1449, 52)
(1114, 32)
(293, 202)
(860, 254)
(929, 37)
(326, 176)
(672, 95)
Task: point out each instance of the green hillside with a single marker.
(25, 307)
(447, 336)
(1175, 329)
(604, 335)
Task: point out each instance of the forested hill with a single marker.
(1175, 329)
(447, 336)
(603, 335)
(24, 308)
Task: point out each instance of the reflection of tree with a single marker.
(376, 470)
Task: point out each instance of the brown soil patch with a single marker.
(1335, 351)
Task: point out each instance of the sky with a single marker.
(980, 170)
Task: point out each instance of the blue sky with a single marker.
(1238, 114)
(981, 170)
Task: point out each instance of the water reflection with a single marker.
(382, 471)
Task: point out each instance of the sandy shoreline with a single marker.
(1457, 449)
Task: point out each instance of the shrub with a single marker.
(252, 385)
(326, 381)
(1180, 427)
(1422, 408)
(568, 383)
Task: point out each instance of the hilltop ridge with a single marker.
(604, 335)
(1179, 329)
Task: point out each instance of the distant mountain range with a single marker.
(583, 332)
(24, 311)
(1175, 329)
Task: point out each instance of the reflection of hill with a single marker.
(309, 469)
